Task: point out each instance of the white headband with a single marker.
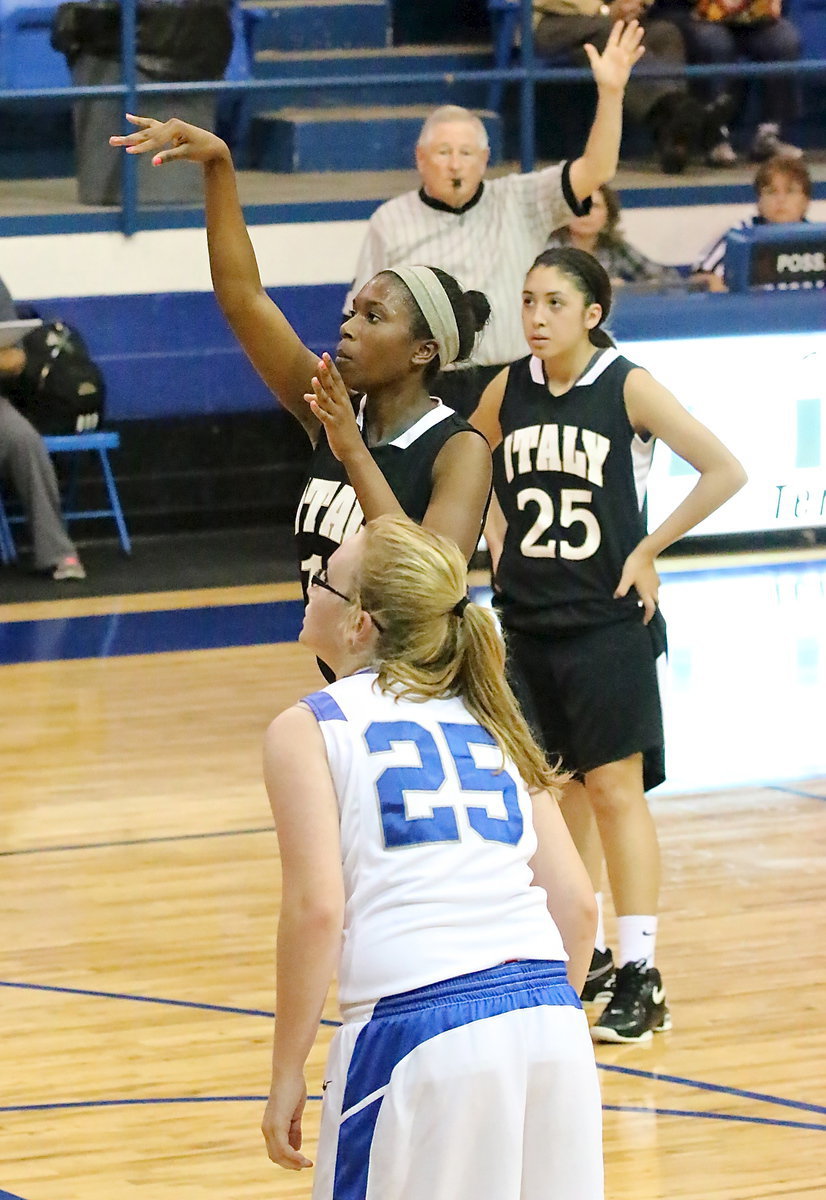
(432, 299)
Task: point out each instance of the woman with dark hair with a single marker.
(402, 451)
(572, 428)
(425, 860)
(599, 233)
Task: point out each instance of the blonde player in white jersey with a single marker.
(425, 861)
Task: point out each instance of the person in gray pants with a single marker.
(25, 462)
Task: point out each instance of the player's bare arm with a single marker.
(611, 69)
(271, 344)
(305, 811)
(559, 871)
(486, 415)
(653, 409)
(461, 488)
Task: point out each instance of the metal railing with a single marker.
(527, 73)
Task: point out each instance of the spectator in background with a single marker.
(677, 122)
(783, 187)
(25, 461)
(486, 233)
(598, 232)
(722, 31)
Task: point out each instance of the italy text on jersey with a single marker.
(569, 449)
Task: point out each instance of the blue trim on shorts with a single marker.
(324, 707)
(402, 1022)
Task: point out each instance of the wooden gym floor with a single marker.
(139, 882)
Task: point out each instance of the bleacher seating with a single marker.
(27, 59)
(810, 18)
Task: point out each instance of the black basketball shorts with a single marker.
(592, 697)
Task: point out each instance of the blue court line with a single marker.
(9, 1195)
(778, 787)
(787, 566)
(116, 634)
(763, 1097)
(133, 1102)
(137, 1101)
(172, 837)
(712, 1116)
(221, 1008)
(111, 635)
(656, 1076)
(121, 634)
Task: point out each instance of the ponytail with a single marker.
(433, 643)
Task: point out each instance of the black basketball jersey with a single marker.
(570, 476)
(329, 512)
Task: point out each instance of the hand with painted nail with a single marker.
(169, 140)
(330, 401)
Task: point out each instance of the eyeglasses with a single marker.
(319, 579)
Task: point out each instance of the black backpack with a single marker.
(60, 390)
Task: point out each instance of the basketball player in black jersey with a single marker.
(572, 428)
(403, 452)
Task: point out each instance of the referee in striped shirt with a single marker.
(487, 233)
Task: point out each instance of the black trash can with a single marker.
(176, 42)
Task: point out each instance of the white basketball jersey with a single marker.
(435, 843)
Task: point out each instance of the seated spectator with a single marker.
(25, 461)
(783, 187)
(723, 31)
(599, 233)
(676, 121)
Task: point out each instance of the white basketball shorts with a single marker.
(482, 1087)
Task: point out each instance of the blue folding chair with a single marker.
(8, 553)
(100, 442)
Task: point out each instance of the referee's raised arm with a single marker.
(611, 70)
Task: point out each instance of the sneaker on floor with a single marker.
(637, 1008)
(722, 154)
(767, 144)
(69, 567)
(599, 984)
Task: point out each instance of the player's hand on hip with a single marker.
(169, 140)
(330, 401)
(639, 572)
(281, 1124)
(622, 50)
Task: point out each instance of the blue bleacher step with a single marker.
(27, 59)
(321, 66)
(346, 139)
(320, 24)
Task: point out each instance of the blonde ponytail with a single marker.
(413, 581)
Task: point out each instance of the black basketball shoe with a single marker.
(599, 984)
(637, 1008)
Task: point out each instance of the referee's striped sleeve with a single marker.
(372, 259)
(713, 262)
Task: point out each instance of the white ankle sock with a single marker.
(637, 939)
(599, 936)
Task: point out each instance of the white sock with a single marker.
(599, 936)
(637, 939)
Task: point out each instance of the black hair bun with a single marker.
(480, 307)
